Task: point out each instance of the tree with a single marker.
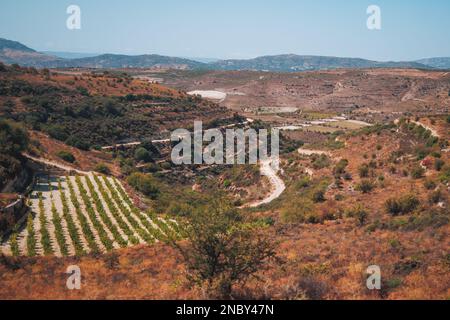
(66, 156)
(102, 168)
(221, 250)
(142, 154)
(13, 138)
(144, 183)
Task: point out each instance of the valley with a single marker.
(363, 180)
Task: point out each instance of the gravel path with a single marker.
(277, 183)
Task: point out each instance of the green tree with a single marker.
(142, 154)
(144, 183)
(222, 251)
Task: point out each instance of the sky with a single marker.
(233, 29)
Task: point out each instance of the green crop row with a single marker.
(71, 226)
(104, 216)
(107, 242)
(31, 237)
(59, 233)
(155, 232)
(126, 211)
(45, 235)
(13, 244)
(115, 212)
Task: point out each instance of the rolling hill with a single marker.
(439, 63)
(14, 52)
(295, 63)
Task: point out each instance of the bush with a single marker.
(78, 143)
(403, 205)
(102, 168)
(359, 213)
(340, 167)
(363, 171)
(444, 177)
(320, 162)
(417, 172)
(57, 132)
(429, 185)
(435, 197)
(366, 186)
(303, 183)
(439, 164)
(319, 196)
(142, 154)
(66, 156)
(144, 183)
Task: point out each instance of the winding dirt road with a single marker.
(277, 183)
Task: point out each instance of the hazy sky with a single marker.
(411, 29)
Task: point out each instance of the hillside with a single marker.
(292, 63)
(376, 94)
(438, 63)
(125, 61)
(93, 110)
(14, 52)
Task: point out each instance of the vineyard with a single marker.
(78, 215)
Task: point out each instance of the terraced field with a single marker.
(78, 215)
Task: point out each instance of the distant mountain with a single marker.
(125, 61)
(69, 55)
(438, 63)
(15, 52)
(292, 63)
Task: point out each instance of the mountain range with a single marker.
(14, 52)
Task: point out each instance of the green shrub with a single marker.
(142, 154)
(444, 177)
(417, 172)
(340, 167)
(102, 168)
(78, 143)
(144, 183)
(320, 162)
(318, 196)
(403, 205)
(66, 156)
(363, 171)
(359, 213)
(429, 184)
(303, 183)
(435, 197)
(57, 132)
(439, 164)
(365, 186)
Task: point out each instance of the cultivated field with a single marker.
(77, 215)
